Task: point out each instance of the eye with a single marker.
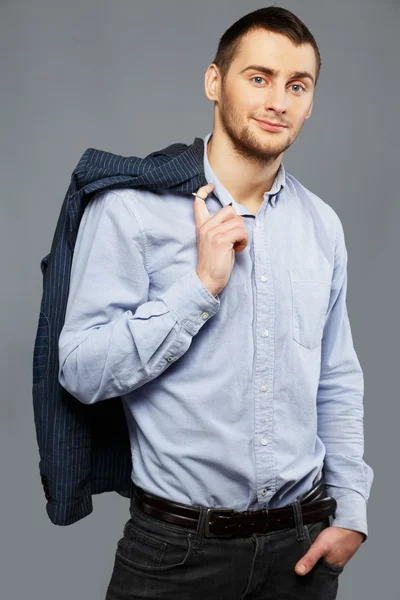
(296, 85)
(257, 77)
(299, 86)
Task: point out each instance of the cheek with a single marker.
(240, 110)
(306, 110)
(244, 102)
(298, 120)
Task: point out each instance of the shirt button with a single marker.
(264, 441)
(170, 358)
(264, 333)
(263, 492)
(264, 278)
(204, 315)
(264, 387)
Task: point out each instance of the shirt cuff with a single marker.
(351, 511)
(190, 301)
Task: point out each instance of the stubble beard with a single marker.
(246, 143)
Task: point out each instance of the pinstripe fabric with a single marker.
(85, 450)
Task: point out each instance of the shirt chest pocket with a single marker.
(310, 299)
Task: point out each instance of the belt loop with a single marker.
(132, 501)
(298, 520)
(199, 536)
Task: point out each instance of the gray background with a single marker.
(128, 77)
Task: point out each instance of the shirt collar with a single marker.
(222, 193)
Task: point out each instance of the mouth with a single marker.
(270, 126)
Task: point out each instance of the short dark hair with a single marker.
(270, 18)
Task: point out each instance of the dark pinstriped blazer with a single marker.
(85, 450)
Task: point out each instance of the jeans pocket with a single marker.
(152, 547)
(334, 568)
(310, 299)
(312, 531)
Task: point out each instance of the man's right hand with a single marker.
(218, 238)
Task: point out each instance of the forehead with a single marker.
(275, 51)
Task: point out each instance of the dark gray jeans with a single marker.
(157, 560)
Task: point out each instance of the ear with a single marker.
(211, 82)
(309, 110)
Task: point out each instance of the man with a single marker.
(222, 323)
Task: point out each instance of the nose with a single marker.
(276, 98)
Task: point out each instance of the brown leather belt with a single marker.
(315, 505)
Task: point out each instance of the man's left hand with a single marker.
(336, 545)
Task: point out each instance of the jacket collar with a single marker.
(177, 167)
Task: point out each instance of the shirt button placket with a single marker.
(264, 354)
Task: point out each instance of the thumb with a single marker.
(201, 213)
(308, 561)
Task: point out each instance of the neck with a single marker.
(246, 179)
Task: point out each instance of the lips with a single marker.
(266, 125)
(271, 123)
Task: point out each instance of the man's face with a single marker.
(251, 94)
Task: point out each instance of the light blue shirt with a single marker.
(238, 400)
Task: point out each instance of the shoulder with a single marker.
(113, 201)
(111, 211)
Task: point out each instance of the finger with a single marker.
(240, 245)
(238, 237)
(205, 188)
(309, 560)
(201, 213)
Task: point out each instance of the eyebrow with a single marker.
(268, 71)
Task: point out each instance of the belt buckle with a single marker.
(209, 512)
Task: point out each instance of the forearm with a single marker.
(124, 354)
